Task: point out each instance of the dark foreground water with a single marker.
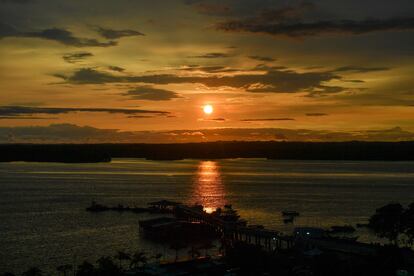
(43, 221)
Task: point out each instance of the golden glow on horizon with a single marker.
(208, 109)
(197, 84)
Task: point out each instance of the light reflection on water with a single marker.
(208, 187)
(43, 221)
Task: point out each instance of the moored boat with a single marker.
(290, 213)
(342, 229)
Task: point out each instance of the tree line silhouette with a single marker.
(76, 153)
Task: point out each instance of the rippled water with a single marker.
(43, 220)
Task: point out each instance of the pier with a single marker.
(227, 226)
(235, 231)
(273, 241)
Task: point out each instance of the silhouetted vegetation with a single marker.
(85, 269)
(122, 256)
(394, 222)
(409, 223)
(249, 259)
(104, 266)
(213, 150)
(139, 259)
(33, 271)
(53, 153)
(64, 269)
(96, 208)
(246, 259)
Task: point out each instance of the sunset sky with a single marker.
(142, 71)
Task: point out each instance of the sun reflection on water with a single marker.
(208, 187)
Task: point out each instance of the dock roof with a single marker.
(164, 203)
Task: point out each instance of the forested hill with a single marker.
(76, 153)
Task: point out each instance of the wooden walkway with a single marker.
(273, 240)
(233, 231)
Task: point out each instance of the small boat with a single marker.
(255, 226)
(171, 229)
(343, 238)
(290, 213)
(95, 207)
(288, 220)
(342, 229)
(349, 239)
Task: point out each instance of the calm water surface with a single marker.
(43, 221)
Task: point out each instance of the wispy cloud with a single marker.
(272, 80)
(289, 21)
(219, 120)
(116, 34)
(76, 57)
(360, 69)
(316, 114)
(60, 35)
(19, 111)
(262, 58)
(151, 94)
(67, 38)
(267, 119)
(212, 55)
(116, 68)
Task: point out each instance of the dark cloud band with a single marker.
(115, 34)
(60, 35)
(273, 80)
(151, 94)
(316, 114)
(267, 119)
(304, 29)
(66, 37)
(262, 58)
(17, 111)
(76, 57)
(211, 55)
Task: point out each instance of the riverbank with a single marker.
(89, 153)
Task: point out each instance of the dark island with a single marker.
(89, 153)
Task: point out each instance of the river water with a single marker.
(43, 221)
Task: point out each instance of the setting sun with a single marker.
(208, 109)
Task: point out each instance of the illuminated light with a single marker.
(208, 109)
(209, 189)
(209, 210)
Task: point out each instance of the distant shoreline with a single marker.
(93, 153)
